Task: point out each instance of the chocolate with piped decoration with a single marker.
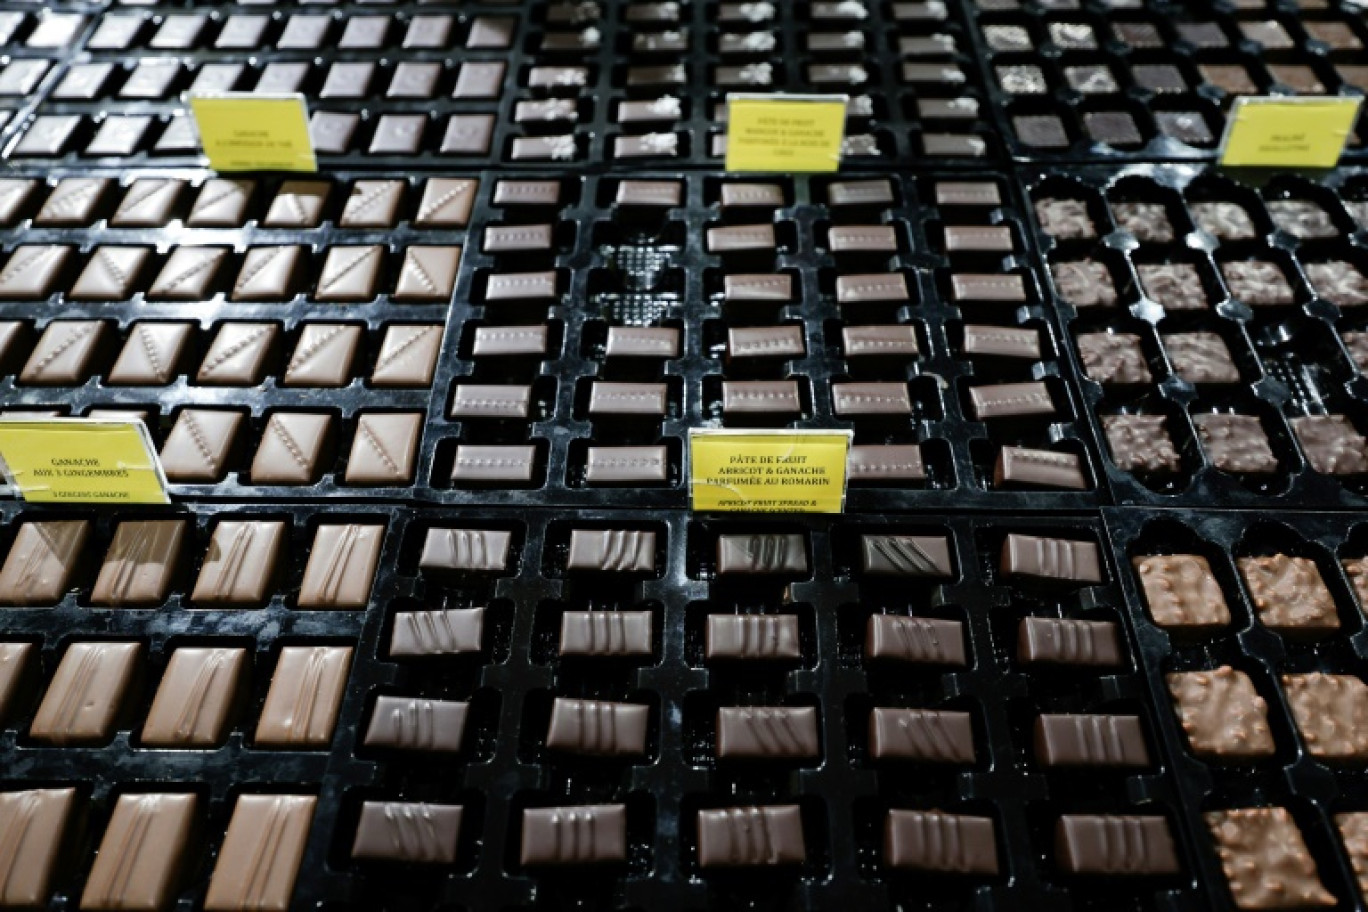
(138, 864)
(1083, 845)
(762, 553)
(939, 842)
(1066, 641)
(900, 638)
(306, 693)
(574, 835)
(409, 832)
(1039, 468)
(196, 697)
(764, 836)
(767, 733)
(34, 826)
(40, 563)
(1051, 558)
(262, 853)
(923, 735)
(417, 724)
(1090, 739)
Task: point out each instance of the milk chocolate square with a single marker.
(306, 692)
(372, 204)
(298, 204)
(480, 79)
(41, 561)
(402, 134)
(140, 564)
(239, 567)
(1332, 444)
(1141, 443)
(84, 700)
(1235, 443)
(73, 201)
(331, 131)
(1113, 357)
(291, 449)
(221, 203)
(138, 864)
(64, 353)
(1331, 712)
(408, 355)
(261, 854)
(151, 354)
(33, 830)
(1289, 594)
(267, 274)
(196, 697)
(1181, 591)
(1201, 357)
(385, 448)
(341, 567)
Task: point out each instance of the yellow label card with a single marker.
(82, 460)
(785, 132)
(1288, 132)
(245, 132)
(768, 471)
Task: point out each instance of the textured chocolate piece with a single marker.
(33, 828)
(666, 193)
(546, 110)
(86, 694)
(140, 563)
(1235, 443)
(240, 564)
(1331, 444)
(417, 724)
(446, 202)
(860, 193)
(1331, 711)
(1065, 219)
(1090, 739)
(606, 633)
(385, 448)
(1257, 283)
(1289, 594)
(342, 565)
(110, 274)
(885, 462)
(740, 238)
(452, 631)
(1084, 283)
(73, 201)
(1353, 829)
(221, 203)
(41, 561)
(765, 342)
(151, 354)
(197, 448)
(967, 193)
(612, 550)
(138, 864)
(1174, 286)
(896, 340)
(494, 341)
(1140, 443)
(485, 400)
(1008, 288)
(1339, 282)
(1065, 641)
(938, 842)
(856, 399)
(1356, 343)
(1201, 357)
(237, 356)
(291, 448)
(774, 552)
(1092, 79)
(862, 239)
(598, 728)
(1148, 222)
(513, 238)
(323, 355)
(762, 397)
(407, 832)
(923, 735)
(552, 77)
(921, 640)
(574, 835)
(978, 239)
(267, 273)
(608, 397)
(478, 550)
(306, 692)
(544, 148)
(1224, 220)
(770, 196)
(1113, 357)
(1302, 219)
(906, 555)
(48, 135)
(195, 698)
(261, 854)
(1222, 714)
(1181, 591)
(767, 733)
(859, 289)
(751, 837)
(620, 465)
(147, 203)
(298, 204)
(408, 355)
(1265, 860)
(1010, 400)
(349, 274)
(521, 286)
(491, 463)
(1039, 468)
(1051, 558)
(14, 197)
(32, 271)
(753, 637)
(1115, 845)
(642, 342)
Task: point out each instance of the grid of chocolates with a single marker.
(1137, 80)
(35, 45)
(277, 336)
(1251, 631)
(900, 308)
(584, 81)
(1214, 322)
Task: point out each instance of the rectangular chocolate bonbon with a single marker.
(195, 699)
(33, 831)
(239, 566)
(417, 724)
(1066, 641)
(1051, 558)
(41, 560)
(612, 550)
(606, 633)
(306, 692)
(86, 695)
(261, 854)
(902, 638)
(1086, 844)
(477, 550)
(140, 564)
(1090, 739)
(751, 836)
(138, 865)
(767, 732)
(409, 832)
(449, 631)
(753, 637)
(935, 841)
(1002, 341)
(574, 835)
(762, 553)
(906, 555)
(885, 462)
(597, 727)
(1039, 468)
(928, 736)
(642, 342)
(624, 465)
(15, 659)
(1011, 400)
